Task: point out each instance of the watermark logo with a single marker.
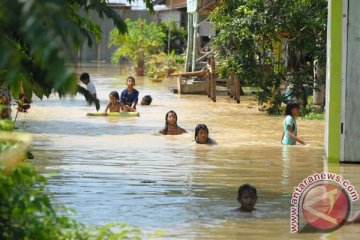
(321, 203)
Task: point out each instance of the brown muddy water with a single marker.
(99, 164)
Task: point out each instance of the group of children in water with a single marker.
(247, 194)
(128, 100)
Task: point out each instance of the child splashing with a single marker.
(290, 128)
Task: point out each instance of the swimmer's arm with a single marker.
(132, 107)
(106, 109)
(292, 136)
(129, 108)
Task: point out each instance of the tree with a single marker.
(36, 38)
(249, 40)
(177, 36)
(141, 41)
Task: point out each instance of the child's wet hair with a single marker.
(166, 121)
(290, 106)
(147, 99)
(167, 114)
(115, 94)
(130, 78)
(84, 76)
(246, 188)
(198, 128)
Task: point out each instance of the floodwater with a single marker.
(112, 169)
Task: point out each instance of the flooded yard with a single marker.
(112, 169)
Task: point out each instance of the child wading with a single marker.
(290, 128)
(85, 79)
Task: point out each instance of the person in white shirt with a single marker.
(85, 79)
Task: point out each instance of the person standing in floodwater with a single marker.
(129, 96)
(85, 79)
(290, 128)
(171, 127)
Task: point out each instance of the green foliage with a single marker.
(313, 112)
(177, 37)
(138, 44)
(314, 116)
(37, 36)
(26, 212)
(250, 39)
(155, 65)
(8, 146)
(6, 125)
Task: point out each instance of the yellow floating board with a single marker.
(117, 114)
(156, 79)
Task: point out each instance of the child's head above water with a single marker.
(171, 118)
(85, 78)
(292, 109)
(130, 81)
(146, 100)
(114, 95)
(247, 197)
(201, 134)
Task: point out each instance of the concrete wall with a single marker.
(342, 130)
(165, 16)
(351, 126)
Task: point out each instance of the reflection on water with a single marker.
(121, 169)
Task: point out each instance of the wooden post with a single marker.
(207, 85)
(237, 89)
(213, 80)
(190, 30)
(209, 78)
(240, 90)
(231, 86)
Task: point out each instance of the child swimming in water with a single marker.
(146, 100)
(171, 127)
(202, 135)
(290, 128)
(247, 197)
(114, 105)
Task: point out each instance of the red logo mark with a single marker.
(326, 207)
